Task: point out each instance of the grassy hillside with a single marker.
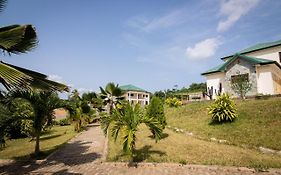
(178, 148)
(258, 123)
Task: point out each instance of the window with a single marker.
(132, 95)
(240, 77)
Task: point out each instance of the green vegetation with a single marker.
(43, 103)
(179, 148)
(155, 110)
(127, 120)
(223, 109)
(111, 96)
(241, 85)
(173, 102)
(258, 123)
(50, 140)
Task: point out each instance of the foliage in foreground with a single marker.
(128, 119)
(223, 109)
(173, 102)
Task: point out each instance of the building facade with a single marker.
(135, 95)
(259, 64)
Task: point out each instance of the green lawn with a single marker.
(50, 140)
(178, 148)
(258, 124)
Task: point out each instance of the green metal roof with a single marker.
(130, 87)
(222, 67)
(256, 47)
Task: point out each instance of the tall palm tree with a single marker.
(43, 104)
(128, 120)
(111, 96)
(17, 39)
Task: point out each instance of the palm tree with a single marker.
(43, 104)
(78, 108)
(111, 96)
(17, 39)
(128, 120)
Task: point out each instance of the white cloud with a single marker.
(234, 10)
(204, 49)
(83, 90)
(173, 18)
(56, 78)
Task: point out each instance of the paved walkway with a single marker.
(85, 154)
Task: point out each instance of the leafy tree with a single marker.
(43, 104)
(128, 120)
(223, 109)
(241, 85)
(94, 100)
(160, 94)
(111, 96)
(155, 110)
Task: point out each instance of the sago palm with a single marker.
(111, 96)
(128, 120)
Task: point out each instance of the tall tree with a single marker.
(43, 104)
(111, 96)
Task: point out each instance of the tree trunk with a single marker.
(37, 146)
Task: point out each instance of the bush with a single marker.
(64, 122)
(173, 102)
(223, 109)
(156, 110)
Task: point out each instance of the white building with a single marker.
(261, 64)
(135, 94)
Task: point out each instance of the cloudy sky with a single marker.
(151, 44)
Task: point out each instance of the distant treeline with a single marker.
(194, 87)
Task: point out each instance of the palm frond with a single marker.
(3, 4)
(31, 79)
(11, 77)
(18, 38)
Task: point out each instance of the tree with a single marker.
(43, 104)
(79, 109)
(156, 110)
(241, 85)
(128, 120)
(17, 39)
(111, 96)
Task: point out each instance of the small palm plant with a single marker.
(223, 109)
(128, 119)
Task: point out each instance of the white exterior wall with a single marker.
(138, 97)
(213, 80)
(264, 80)
(269, 53)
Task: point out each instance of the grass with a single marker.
(178, 148)
(49, 141)
(258, 123)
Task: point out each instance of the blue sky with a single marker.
(151, 44)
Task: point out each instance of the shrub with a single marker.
(173, 102)
(156, 110)
(64, 122)
(223, 109)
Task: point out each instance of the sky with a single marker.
(154, 45)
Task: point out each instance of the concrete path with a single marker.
(85, 153)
